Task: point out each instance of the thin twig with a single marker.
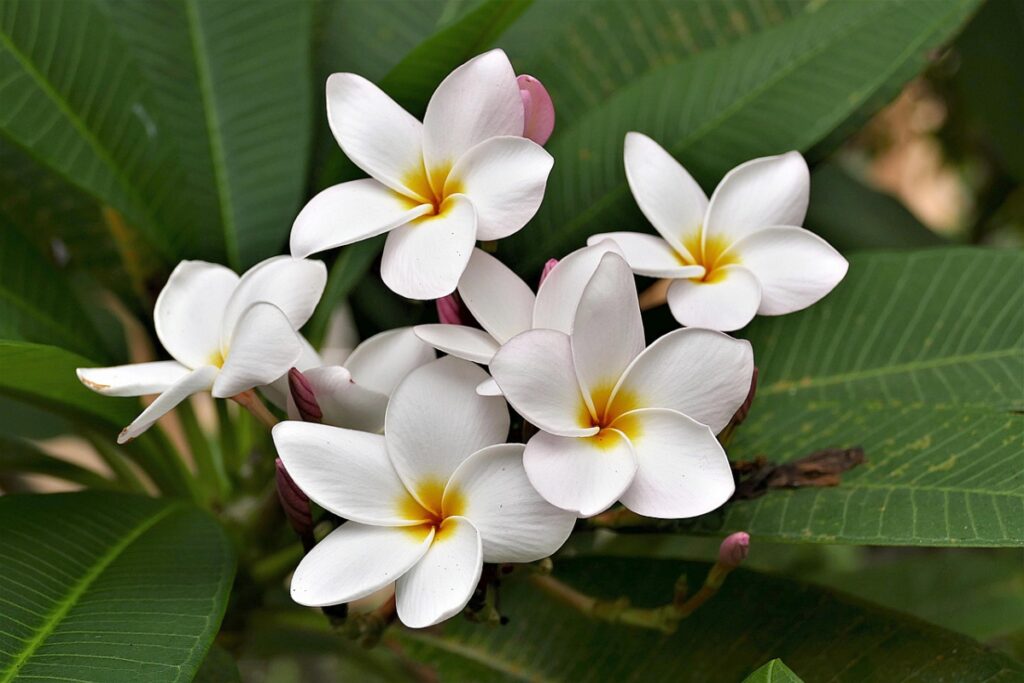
(251, 402)
(655, 295)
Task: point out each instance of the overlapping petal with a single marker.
(293, 285)
(263, 348)
(376, 133)
(727, 301)
(345, 471)
(649, 255)
(424, 259)
(560, 293)
(761, 192)
(349, 212)
(137, 379)
(492, 491)
(200, 379)
(584, 476)
(504, 177)
(460, 341)
(345, 403)
(499, 300)
(436, 420)
(682, 470)
(382, 361)
(439, 585)
(355, 560)
(794, 267)
(190, 309)
(701, 373)
(535, 373)
(666, 193)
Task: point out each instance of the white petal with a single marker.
(341, 337)
(649, 256)
(560, 293)
(137, 379)
(345, 403)
(264, 345)
(498, 298)
(190, 309)
(701, 373)
(504, 177)
(347, 472)
(666, 193)
(436, 420)
(727, 301)
(376, 133)
(607, 333)
(488, 388)
(425, 259)
(683, 471)
(441, 583)
(383, 360)
(459, 341)
(477, 101)
(350, 212)
(200, 379)
(279, 392)
(491, 490)
(795, 267)
(293, 285)
(757, 194)
(356, 560)
(582, 475)
(536, 374)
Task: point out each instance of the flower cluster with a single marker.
(412, 451)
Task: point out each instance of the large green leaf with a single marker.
(36, 302)
(919, 358)
(774, 671)
(105, 587)
(791, 86)
(78, 104)
(234, 93)
(753, 619)
(22, 457)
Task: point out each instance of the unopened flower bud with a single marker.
(734, 549)
(304, 397)
(538, 109)
(548, 267)
(449, 309)
(294, 502)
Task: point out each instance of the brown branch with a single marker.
(251, 402)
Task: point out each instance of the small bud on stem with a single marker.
(548, 267)
(449, 309)
(295, 504)
(304, 397)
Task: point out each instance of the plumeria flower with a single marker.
(354, 394)
(737, 255)
(505, 306)
(465, 173)
(621, 422)
(428, 502)
(227, 334)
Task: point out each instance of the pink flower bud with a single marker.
(294, 502)
(449, 309)
(734, 549)
(304, 397)
(538, 109)
(548, 267)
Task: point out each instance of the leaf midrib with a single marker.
(783, 386)
(62, 607)
(218, 156)
(79, 125)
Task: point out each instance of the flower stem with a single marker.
(655, 295)
(251, 402)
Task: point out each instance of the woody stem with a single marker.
(655, 295)
(251, 402)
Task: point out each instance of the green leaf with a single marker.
(107, 587)
(774, 671)
(789, 87)
(754, 618)
(22, 457)
(36, 301)
(919, 358)
(78, 104)
(851, 215)
(233, 90)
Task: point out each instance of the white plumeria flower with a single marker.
(505, 306)
(621, 422)
(428, 502)
(354, 393)
(226, 334)
(465, 173)
(741, 253)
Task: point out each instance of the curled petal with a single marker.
(200, 379)
(137, 379)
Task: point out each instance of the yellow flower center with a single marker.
(609, 412)
(711, 254)
(433, 505)
(434, 186)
